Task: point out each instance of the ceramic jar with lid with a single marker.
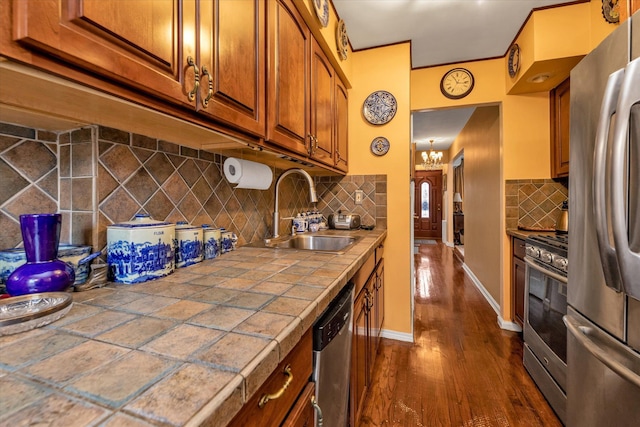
(228, 241)
(189, 244)
(212, 240)
(140, 250)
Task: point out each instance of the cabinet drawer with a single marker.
(379, 253)
(303, 413)
(362, 275)
(518, 248)
(274, 411)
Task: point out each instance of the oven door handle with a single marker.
(612, 354)
(549, 273)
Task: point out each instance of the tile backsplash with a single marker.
(533, 203)
(96, 176)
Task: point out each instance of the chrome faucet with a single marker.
(313, 197)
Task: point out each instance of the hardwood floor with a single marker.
(462, 370)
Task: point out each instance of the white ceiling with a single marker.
(443, 126)
(441, 32)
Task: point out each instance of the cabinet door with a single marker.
(341, 127)
(322, 90)
(518, 279)
(288, 77)
(302, 414)
(358, 387)
(560, 130)
(142, 44)
(232, 52)
(378, 309)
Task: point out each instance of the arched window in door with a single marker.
(425, 190)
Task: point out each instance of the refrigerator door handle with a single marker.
(601, 209)
(628, 260)
(607, 350)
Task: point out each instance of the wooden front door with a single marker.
(427, 216)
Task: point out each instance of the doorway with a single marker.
(427, 218)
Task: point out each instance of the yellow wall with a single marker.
(480, 140)
(387, 68)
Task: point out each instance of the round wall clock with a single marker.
(342, 40)
(457, 83)
(379, 107)
(514, 60)
(380, 146)
(322, 11)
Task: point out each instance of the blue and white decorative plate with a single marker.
(380, 146)
(322, 11)
(342, 39)
(379, 107)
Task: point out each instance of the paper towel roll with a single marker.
(247, 174)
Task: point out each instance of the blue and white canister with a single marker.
(227, 241)
(212, 240)
(189, 244)
(140, 250)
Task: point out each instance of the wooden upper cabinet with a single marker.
(560, 130)
(142, 44)
(322, 99)
(341, 122)
(289, 48)
(232, 52)
(163, 48)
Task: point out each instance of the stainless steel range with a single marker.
(545, 335)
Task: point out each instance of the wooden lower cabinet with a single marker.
(368, 317)
(518, 279)
(303, 413)
(300, 365)
(359, 350)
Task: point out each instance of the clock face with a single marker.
(457, 83)
(514, 60)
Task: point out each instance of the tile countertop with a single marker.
(186, 349)
(523, 234)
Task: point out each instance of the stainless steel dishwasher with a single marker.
(332, 334)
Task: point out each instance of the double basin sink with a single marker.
(310, 242)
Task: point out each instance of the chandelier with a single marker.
(433, 159)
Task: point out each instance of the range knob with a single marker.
(561, 263)
(546, 257)
(532, 251)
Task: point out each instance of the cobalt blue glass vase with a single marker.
(43, 272)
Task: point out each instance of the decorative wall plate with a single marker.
(514, 60)
(379, 107)
(611, 11)
(380, 146)
(342, 40)
(322, 11)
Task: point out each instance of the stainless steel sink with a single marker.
(335, 244)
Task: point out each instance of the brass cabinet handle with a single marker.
(205, 72)
(315, 147)
(196, 85)
(310, 149)
(267, 397)
(318, 409)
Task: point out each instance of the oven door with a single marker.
(544, 330)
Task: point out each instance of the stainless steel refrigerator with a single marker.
(603, 319)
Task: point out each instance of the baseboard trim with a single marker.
(492, 302)
(503, 324)
(398, 336)
(508, 325)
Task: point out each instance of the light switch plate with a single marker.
(358, 197)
